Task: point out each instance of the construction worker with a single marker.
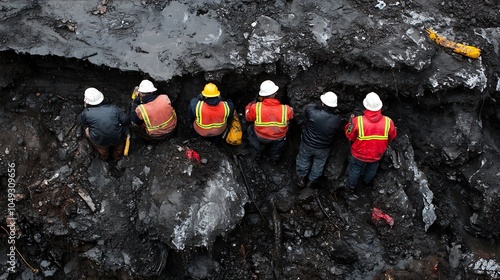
(270, 119)
(370, 135)
(105, 125)
(322, 122)
(152, 115)
(209, 114)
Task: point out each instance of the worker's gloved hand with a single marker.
(136, 101)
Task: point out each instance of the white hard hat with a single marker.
(268, 88)
(146, 86)
(372, 102)
(93, 96)
(329, 99)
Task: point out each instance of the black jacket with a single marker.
(320, 127)
(107, 124)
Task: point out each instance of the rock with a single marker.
(186, 210)
(455, 256)
(203, 267)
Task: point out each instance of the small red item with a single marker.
(377, 215)
(191, 154)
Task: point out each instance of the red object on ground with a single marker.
(191, 154)
(377, 215)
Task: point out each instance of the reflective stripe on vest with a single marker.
(259, 122)
(151, 127)
(199, 117)
(362, 135)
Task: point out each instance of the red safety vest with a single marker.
(211, 120)
(158, 115)
(270, 118)
(370, 136)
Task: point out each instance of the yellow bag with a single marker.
(235, 134)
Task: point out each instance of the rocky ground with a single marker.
(159, 215)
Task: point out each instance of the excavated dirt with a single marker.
(438, 180)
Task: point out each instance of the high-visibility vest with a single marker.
(272, 125)
(158, 115)
(384, 135)
(211, 120)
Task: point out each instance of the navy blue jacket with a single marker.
(107, 124)
(320, 127)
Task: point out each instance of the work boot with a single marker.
(301, 181)
(349, 191)
(310, 184)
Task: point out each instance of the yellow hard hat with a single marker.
(210, 90)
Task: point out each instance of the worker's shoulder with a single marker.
(390, 119)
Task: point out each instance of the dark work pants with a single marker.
(115, 150)
(358, 168)
(311, 159)
(259, 144)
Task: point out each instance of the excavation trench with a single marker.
(282, 232)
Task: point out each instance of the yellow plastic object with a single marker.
(135, 92)
(235, 134)
(127, 146)
(462, 49)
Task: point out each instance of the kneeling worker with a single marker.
(270, 121)
(152, 115)
(209, 114)
(105, 125)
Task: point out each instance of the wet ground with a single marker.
(79, 217)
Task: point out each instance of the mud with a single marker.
(159, 215)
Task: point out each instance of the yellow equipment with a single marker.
(127, 145)
(235, 134)
(462, 49)
(135, 92)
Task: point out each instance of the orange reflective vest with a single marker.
(211, 120)
(158, 115)
(270, 118)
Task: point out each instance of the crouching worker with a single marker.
(209, 114)
(270, 121)
(105, 125)
(152, 115)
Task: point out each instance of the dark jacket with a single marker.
(138, 101)
(320, 127)
(107, 124)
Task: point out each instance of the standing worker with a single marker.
(152, 115)
(105, 125)
(270, 119)
(209, 114)
(322, 122)
(370, 134)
